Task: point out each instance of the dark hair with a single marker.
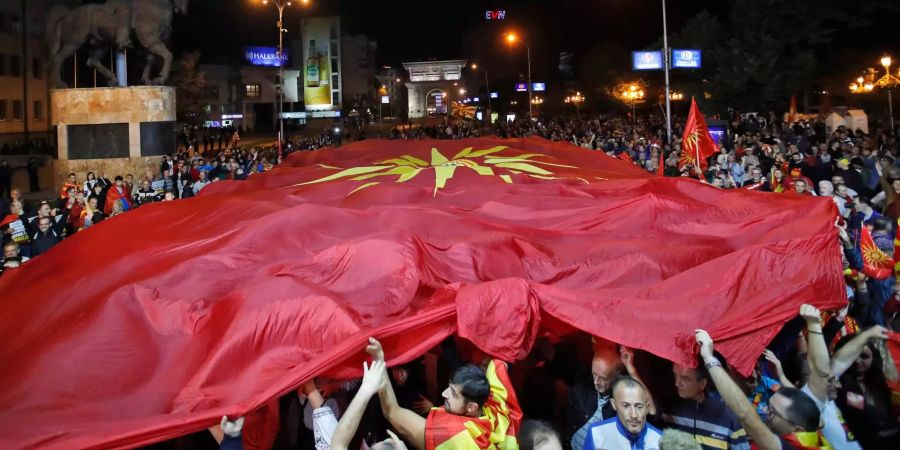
(473, 383)
(532, 432)
(119, 178)
(874, 378)
(71, 174)
(880, 224)
(803, 411)
(627, 380)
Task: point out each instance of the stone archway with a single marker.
(427, 78)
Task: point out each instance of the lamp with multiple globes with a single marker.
(575, 99)
(870, 81)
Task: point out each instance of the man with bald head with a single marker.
(629, 429)
(589, 400)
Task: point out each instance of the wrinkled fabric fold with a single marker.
(155, 323)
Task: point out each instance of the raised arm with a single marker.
(776, 364)
(817, 355)
(410, 425)
(628, 362)
(373, 378)
(846, 355)
(734, 397)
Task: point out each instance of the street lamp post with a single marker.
(576, 100)
(868, 83)
(487, 87)
(666, 62)
(280, 5)
(512, 38)
(886, 62)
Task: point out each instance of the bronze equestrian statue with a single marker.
(112, 24)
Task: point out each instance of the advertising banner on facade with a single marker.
(317, 64)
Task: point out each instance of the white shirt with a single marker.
(610, 435)
(835, 430)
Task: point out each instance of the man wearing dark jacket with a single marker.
(589, 401)
(44, 239)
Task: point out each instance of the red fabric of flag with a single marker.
(876, 263)
(215, 305)
(696, 142)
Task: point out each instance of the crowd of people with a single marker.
(819, 386)
(823, 382)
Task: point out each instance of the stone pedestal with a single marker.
(116, 130)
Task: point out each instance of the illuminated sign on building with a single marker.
(647, 60)
(521, 87)
(538, 87)
(495, 15)
(686, 59)
(266, 56)
(495, 95)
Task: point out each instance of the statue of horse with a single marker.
(112, 24)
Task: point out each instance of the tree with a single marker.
(768, 50)
(189, 85)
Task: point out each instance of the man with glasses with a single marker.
(629, 429)
(756, 181)
(791, 418)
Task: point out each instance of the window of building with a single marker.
(38, 110)
(15, 65)
(36, 68)
(2, 110)
(335, 98)
(334, 33)
(334, 48)
(253, 91)
(334, 65)
(334, 80)
(17, 110)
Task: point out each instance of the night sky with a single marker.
(410, 30)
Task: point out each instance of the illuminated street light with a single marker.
(868, 82)
(462, 92)
(676, 96)
(577, 99)
(512, 38)
(280, 5)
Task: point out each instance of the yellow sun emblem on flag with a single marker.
(875, 256)
(689, 148)
(484, 162)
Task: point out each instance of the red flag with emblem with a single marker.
(876, 263)
(696, 142)
(496, 241)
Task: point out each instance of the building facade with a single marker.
(430, 86)
(24, 96)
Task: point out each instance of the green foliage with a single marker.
(189, 84)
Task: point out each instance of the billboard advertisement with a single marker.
(647, 60)
(686, 58)
(266, 56)
(538, 87)
(521, 87)
(317, 64)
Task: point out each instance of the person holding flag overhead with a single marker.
(480, 410)
(697, 145)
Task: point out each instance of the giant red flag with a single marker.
(696, 142)
(181, 312)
